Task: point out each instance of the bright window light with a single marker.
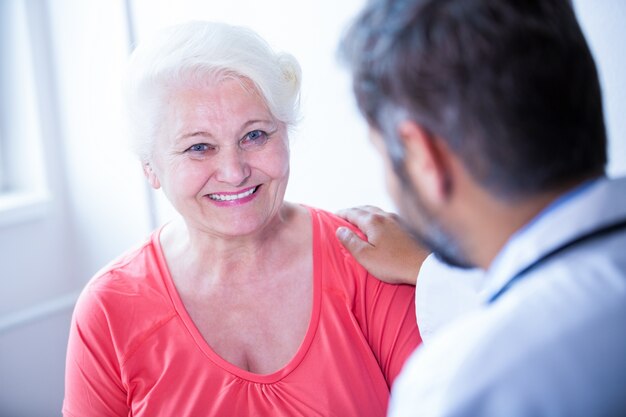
(21, 163)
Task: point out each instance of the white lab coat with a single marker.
(443, 294)
(554, 344)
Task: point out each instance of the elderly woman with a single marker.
(246, 305)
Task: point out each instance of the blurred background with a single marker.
(72, 196)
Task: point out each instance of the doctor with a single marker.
(488, 115)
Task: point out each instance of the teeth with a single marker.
(230, 197)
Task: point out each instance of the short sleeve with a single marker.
(93, 385)
(385, 312)
(392, 329)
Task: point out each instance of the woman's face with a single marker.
(221, 157)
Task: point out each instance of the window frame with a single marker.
(24, 194)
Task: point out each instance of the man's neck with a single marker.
(489, 222)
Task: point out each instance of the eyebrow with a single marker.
(205, 134)
(200, 133)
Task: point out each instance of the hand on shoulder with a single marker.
(389, 253)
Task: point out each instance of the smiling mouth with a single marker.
(232, 197)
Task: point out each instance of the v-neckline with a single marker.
(202, 344)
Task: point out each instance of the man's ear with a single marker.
(153, 180)
(425, 161)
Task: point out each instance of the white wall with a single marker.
(98, 206)
(603, 24)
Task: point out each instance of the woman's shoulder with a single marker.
(126, 298)
(135, 276)
(131, 266)
(329, 251)
(330, 222)
(123, 304)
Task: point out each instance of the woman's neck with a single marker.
(201, 258)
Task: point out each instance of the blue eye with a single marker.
(200, 148)
(254, 139)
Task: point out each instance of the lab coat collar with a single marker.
(581, 211)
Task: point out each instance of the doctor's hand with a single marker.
(390, 254)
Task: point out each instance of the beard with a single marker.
(424, 227)
(441, 244)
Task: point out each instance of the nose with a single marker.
(232, 166)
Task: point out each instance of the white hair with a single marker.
(197, 50)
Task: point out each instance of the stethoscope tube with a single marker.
(584, 238)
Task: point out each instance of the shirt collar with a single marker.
(546, 230)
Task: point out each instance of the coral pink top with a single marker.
(134, 351)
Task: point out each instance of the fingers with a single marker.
(355, 245)
(359, 211)
(390, 253)
(363, 216)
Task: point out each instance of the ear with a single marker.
(151, 176)
(426, 162)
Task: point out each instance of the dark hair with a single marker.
(510, 85)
